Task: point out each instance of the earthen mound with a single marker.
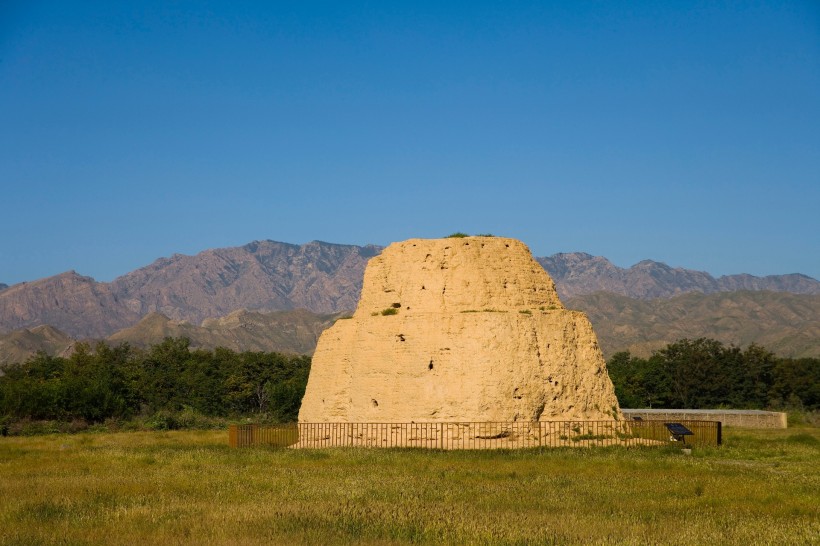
(458, 329)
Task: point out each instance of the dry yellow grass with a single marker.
(190, 488)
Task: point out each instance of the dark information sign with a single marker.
(679, 432)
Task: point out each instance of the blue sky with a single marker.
(683, 132)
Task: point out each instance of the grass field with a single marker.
(761, 487)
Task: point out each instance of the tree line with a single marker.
(123, 382)
(704, 373)
(170, 379)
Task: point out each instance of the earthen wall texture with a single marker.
(458, 329)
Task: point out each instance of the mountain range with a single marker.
(200, 296)
(260, 276)
(295, 331)
(578, 273)
(20, 344)
(786, 324)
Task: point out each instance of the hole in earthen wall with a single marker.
(430, 365)
(375, 403)
(397, 306)
(400, 336)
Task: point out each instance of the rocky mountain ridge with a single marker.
(262, 276)
(579, 273)
(321, 277)
(19, 345)
(295, 331)
(787, 324)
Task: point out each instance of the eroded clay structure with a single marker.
(458, 329)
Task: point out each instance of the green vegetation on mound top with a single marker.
(461, 235)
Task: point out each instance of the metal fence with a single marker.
(483, 435)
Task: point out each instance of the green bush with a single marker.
(703, 373)
(162, 420)
(164, 387)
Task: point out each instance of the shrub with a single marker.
(390, 311)
(162, 420)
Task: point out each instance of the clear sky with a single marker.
(683, 132)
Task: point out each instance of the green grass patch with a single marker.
(188, 487)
